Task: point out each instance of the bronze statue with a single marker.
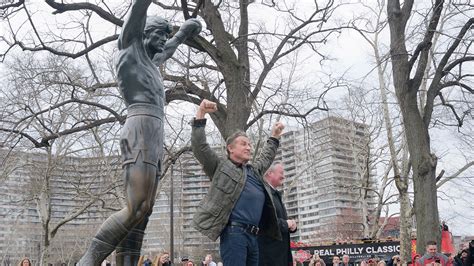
(143, 43)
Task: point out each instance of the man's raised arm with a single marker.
(201, 149)
(134, 23)
(267, 154)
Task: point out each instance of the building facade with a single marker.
(326, 165)
(188, 184)
(39, 192)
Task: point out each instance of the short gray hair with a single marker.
(272, 167)
(233, 136)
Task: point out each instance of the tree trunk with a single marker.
(424, 167)
(416, 130)
(401, 181)
(238, 108)
(44, 255)
(234, 67)
(405, 227)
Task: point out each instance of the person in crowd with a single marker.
(451, 259)
(163, 259)
(185, 261)
(374, 261)
(371, 262)
(461, 258)
(395, 261)
(25, 262)
(432, 256)
(469, 256)
(238, 205)
(147, 262)
(458, 259)
(316, 261)
(336, 261)
(143, 261)
(143, 43)
(444, 226)
(415, 258)
(273, 252)
(346, 260)
(208, 261)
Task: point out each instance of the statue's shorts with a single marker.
(142, 135)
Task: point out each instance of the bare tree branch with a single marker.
(17, 4)
(451, 177)
(442, 69)
(91, 47)
(61, 8)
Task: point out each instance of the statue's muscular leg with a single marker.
(128, 250)
(140, 180)
(141, 144)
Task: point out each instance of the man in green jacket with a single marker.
(238, 205)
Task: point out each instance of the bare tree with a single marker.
(397, 166)
(450, 72)
(57, 169)
(371, 28)
(232, 63)
(220, 71)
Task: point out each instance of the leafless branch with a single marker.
(17, 4)
(61, 8)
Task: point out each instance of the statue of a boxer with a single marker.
(144, 44)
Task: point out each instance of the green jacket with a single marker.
(227, 182)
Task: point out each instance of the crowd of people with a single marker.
(465, 257)
(163, 259)
(432, 257)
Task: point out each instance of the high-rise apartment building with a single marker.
(189, 187)
(36, 187)
(71, 182)
(326, 165)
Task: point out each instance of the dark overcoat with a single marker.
(274, 252)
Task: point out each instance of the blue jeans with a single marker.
(238, 247)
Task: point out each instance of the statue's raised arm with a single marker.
(134, 24)
(190, 28)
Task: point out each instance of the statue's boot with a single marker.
(128, 251)
(107, 238)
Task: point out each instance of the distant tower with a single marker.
(325, 166)
(190, 185)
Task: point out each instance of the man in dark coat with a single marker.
(274, 252)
